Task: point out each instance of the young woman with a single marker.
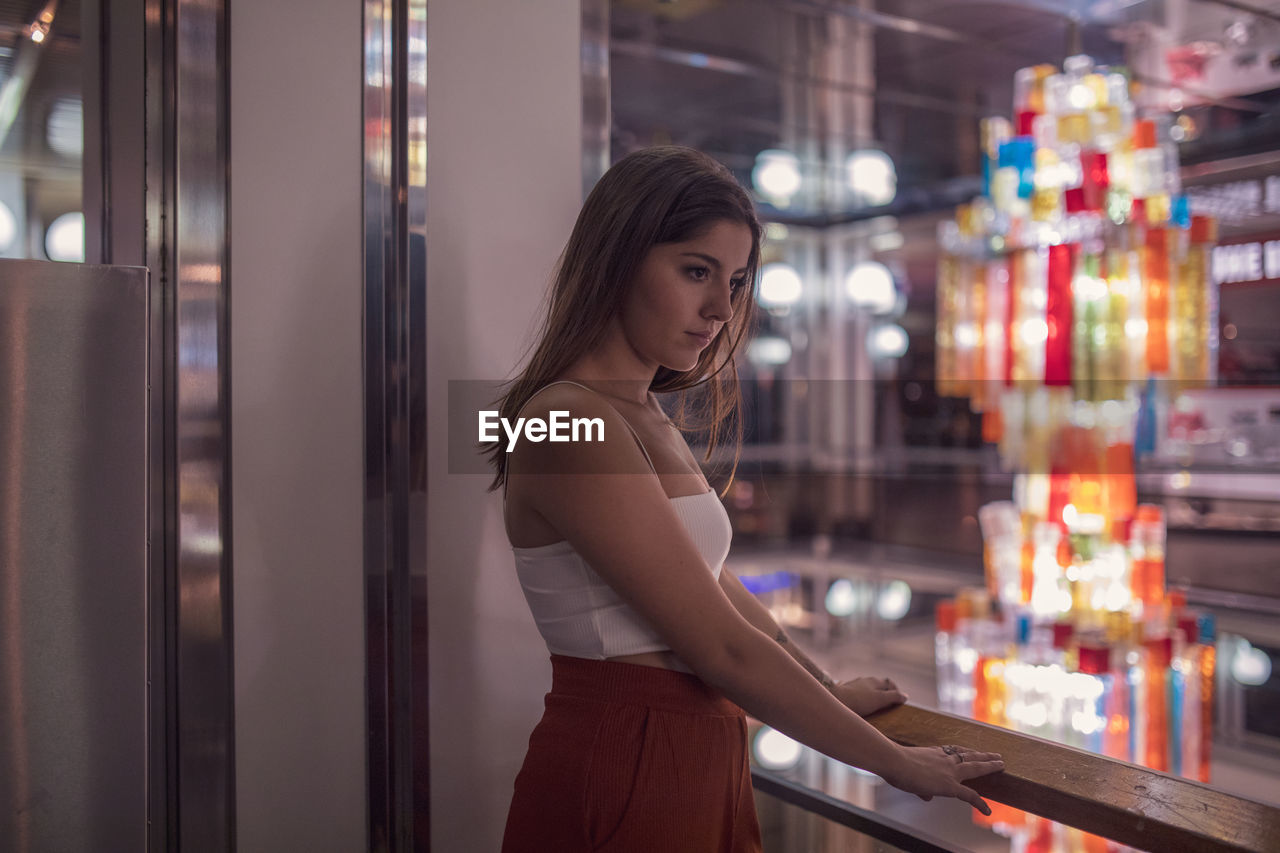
(656, 648)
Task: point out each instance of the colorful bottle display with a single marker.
(1073, 304)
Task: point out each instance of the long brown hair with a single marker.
(666, 194)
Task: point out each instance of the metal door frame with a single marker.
(156, 193)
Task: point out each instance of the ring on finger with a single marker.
(949, 750)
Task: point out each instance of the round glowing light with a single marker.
(8, 227)
(894, 601)
(1086, 722)
(64, 241)
(842, 598)
(1250, 666)
(776, 174)
(769, 351)
(776, 751)
(780, 286)
(1117, 597)
(966, 335)
(64, 129)
(1034, 332)
(1090, 288)
(1080, 97)
(1114, 412)
(871, 176)
(887, 341)
(869, 285)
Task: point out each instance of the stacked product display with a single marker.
(1074, 304)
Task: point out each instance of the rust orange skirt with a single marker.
(633, 758)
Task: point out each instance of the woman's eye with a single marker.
(699, 273)
(737, 284)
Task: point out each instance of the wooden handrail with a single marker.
(1133, 805)
(863, 821)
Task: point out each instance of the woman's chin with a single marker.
(681, 365)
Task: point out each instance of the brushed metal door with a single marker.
(73, 556)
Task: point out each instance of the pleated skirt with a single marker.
(633, 758)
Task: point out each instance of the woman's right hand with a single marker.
(940, 771)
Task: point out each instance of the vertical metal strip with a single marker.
(162, 799)
(396, 460)
(395, 64)
(395, 421)
(193, 260)
(416, 729)
(95, 79)
(379, 237)
(596, 110)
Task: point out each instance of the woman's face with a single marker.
(681, 297)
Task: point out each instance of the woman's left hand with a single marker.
(867, 695)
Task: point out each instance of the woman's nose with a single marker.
(720, 305)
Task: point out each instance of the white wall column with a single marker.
(296, 409)
(504, 185)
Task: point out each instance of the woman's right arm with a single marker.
(601, 497)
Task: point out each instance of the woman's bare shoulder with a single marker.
(575, 431)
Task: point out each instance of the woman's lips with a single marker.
(703, 340)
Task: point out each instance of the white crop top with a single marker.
(578, 614)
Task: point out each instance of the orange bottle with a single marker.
(1146, 542)
(1121, 493)
(1156, 683)
(1208, 655)
(1155, 274)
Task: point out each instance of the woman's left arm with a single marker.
(861, 695)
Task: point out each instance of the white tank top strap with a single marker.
(634, 434)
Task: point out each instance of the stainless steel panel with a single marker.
(395, 209)
(201, 666)
(159, 130)
(73, 557)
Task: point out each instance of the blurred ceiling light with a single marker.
(776, 751)
(64, 129)
(871, 176)
(887, 341)
(1239, 32)
(64, 241)
(8, 227)
(894, 601)
(769, 351)
(38, 30)
(869, 285)
(776, 175)
(780, 286)
(843, 598)
(1250, 666)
